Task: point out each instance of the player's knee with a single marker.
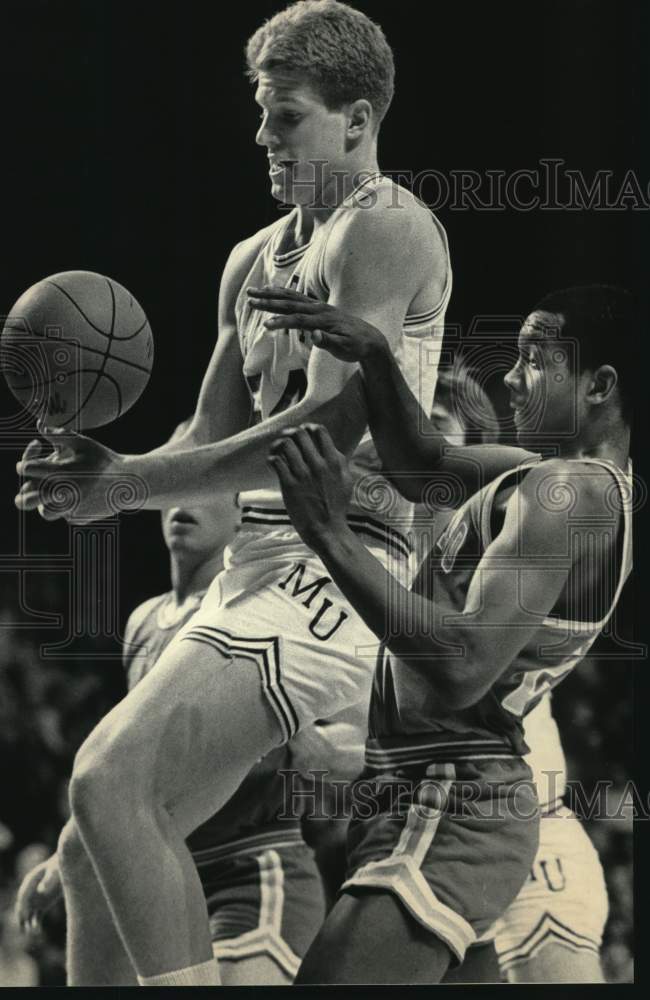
(100, 779)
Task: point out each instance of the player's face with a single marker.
(544, 390)
(305, 142)
(199, 531)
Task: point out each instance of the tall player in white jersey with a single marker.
(510, 599)
(275, 645)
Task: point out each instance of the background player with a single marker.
(260, 880)
(275, 644)
(435, 714)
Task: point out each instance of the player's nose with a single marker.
(265, 137)
(510, 379)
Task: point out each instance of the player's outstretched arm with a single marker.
(413, 453)
(517, 582)
(376, 286)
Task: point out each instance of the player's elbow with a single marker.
(198, 432)
(408, 484)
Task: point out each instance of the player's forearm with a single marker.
(410, 625)
(240, 462)
(406, 441)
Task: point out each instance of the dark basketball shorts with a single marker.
(453, 841)
(264, 896)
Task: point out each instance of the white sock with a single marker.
(205, 974)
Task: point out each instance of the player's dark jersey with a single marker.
(405, 721)
(251, 814)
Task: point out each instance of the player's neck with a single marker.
(612, 446)
(190, 573)
(340, 186)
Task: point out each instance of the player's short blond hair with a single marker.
(339, 50)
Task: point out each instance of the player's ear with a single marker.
(604, 381)
(359, 118)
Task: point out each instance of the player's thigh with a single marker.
(480, 965)
(188, 733)
(258, 970)
(370, 938)
(557, 963)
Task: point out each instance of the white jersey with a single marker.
(546, 758)
(275, 361)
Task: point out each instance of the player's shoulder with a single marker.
(243, 254)
(569, 486)
(140, 615)
(386, 209)
(389, 233)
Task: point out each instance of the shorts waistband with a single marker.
(360, 524)
(382, 753)
(287, 834)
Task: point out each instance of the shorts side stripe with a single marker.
(402, 877)
(419, 830)
(265, 654)
(261, 941)
(266, 938)
(271, 890)
(546, 929)
(400, 873)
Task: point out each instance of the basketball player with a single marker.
(275, 645)
(510, 599)
(553, 930)
(260, 880)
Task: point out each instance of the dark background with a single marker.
(128, 148)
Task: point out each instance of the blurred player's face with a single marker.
(544, 388)
(200, 532)
(445, 421)
(305, 142)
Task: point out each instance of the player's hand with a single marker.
(315, 481)
(39, 890)
(346, 337)
(79, 480)
(328, 745)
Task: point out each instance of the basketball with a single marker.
(77, 350)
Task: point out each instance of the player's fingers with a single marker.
(308, 448)
(27, 498)
(286, 308)
(278, 292)
(291, 453)
(48, 515)
(325, 444)
(281, 470)
(24, 906)
(296, 321)
(33, 449)
(39, 468)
